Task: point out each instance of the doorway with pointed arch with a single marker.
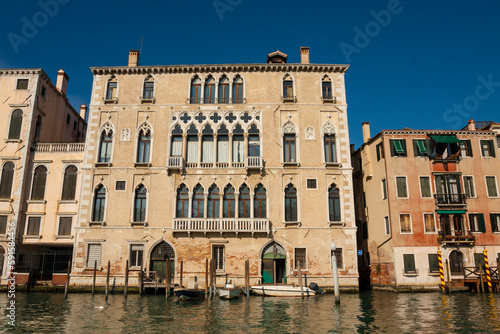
(274, 264)
(160, 253)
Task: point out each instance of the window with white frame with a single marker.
(491, 185)
(136, 255)
(219, 257)
(387, 225)
(488, 148)
(405, 222)
(401, 187)
(65, 226)
(94, 254)
(288, 88)
(6, 180)
(469, 186)
(148, 91)
(495, 222)
(33, 226)
(326, 88)
(238, 90)
(429, 223)
(384, 189)
(144, 144)
(300, 255)
(16, 121)
(112, 89)
(476, 222)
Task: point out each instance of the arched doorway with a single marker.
(456, 263)
(158, 258)
(274, 264)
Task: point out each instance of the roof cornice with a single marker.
(436, 132)
(176, 69)
(21, 71)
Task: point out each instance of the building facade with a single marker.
(423, 190)
(226, 162)
(41, 135)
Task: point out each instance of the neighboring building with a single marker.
(419, 191)
(41, 146)
(226, 162)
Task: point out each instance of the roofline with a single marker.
(272, 67)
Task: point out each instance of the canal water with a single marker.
(367, 312)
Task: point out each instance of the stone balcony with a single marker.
(221, 225)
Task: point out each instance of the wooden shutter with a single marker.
(491, 145)
(433, 263)
(416, 151)
(391, 144)
(409, 263)
(469, 148)
(482, 225)
(492, 220)
(94, 255)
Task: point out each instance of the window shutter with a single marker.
(409, 262)
(94, 255)
(491, 144)
(365, 230)
(415, 148)
(482, 226)
(469, 148)
(377, 148)
(391, 144)
(403, 142)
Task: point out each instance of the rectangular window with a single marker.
(218, 256)
(192, 149)
(148, 90)
(384, 189)
(380, 151)
(22, 83)
(222, 149)
(176, 149)
(491, 185)
(65, 226)
(338, 256)
(120, 185)
(476, 222)
(68, 119)
(44, 91)
(289, 148)
(33, 227)
(253, 146)
(207, 149)
(465, 148)
(430, 224)
(3, 225)
(469, 186)
(287, 89)
(488, 148)
(495, 222)
(433, 263)
(425, 186)
(421, 147)
(398, 147)
(94, 255)
(136, 255)
(75, 124)
(327, 90)
(404, 221)
(311, 184)
(300, 256)
(112, 90)
(409, 263)
(387, 224)
(330, 148)
(401, 187)
(238, 148)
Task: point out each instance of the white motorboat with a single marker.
(282, 291)
(229, 292)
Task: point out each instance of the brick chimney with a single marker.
(471, 126)
(83, 111)
(304, 55)
(366, 131)
(133, 58)
(62, 81)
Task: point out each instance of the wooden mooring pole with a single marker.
(125, 290)
(67, 281)
(448, 273)
(481, 281)
(167, 278)
(206, 277)
(141, 278)
(107, 280)
(300, 280)
(182, 270)
(93, 280)
(247, 278)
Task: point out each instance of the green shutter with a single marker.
(491, 144)
(415, 148)
(482, 225)
(422, 148)
(469, 148)
(398, 146)
(409, 262)
(403, 141)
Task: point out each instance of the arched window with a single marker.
(149, 85)
(208, 144)
(176, 148)
(238, 90)
(213, 208)
(289, 149)
(6, 180)
(290, 204)
(182, 202)
(16, 121)
(106, 145)
(144, 144)
(253, 141)
(334, 203)
(224, 90)
(198, 202)
(326, 88)
(238, 144)
(112, 89)
(209, 96)
(195, 96)
(38, 128)
(288, 87)
(69, 183)
(329, 142)
(222, 144)
(259, 202)
(229, 202)
(192, 144)
(99, 203)
(39, 180)
(140, 204)
(244, 202)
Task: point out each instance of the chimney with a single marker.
(471, 126)
(304, 55)
(83, 111)
(366, 131)
(62, 81)
(133, 58)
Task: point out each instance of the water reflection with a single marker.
(367, 312)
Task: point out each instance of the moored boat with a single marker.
(229, 292)
(282, 291)
(191, 293)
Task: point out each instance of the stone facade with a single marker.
(223, 162)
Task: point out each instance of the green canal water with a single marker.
(367, 312)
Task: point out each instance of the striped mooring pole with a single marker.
(441, 273)
(487, 267)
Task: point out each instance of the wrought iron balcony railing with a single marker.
(450, 199)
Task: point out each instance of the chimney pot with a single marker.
(62, 81)
(83, 111)
(133, 58)
(304, 55)
(471, 125)
(366, 131)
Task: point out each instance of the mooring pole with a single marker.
(247, 277)
(441, 273)
(206, 277)
(107, 280)
(141, 278)
(448, 273)
(182, 270)
(93, 280)
(481, 279)
(333, 247)
(167, 279)
(300, 279)
(487, 268)
(67, 281)
(125, 290)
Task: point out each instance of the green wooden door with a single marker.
(274, 258)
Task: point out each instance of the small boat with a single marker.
(191, 293)
(282, 291)
(229, 292)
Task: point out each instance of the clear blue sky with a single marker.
(417, 71)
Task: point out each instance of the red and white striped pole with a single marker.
(487, 267)
(441, 273)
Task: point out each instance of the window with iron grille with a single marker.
(300, 256)
(120, 185)
(311, 184)
(136, 255)
(22, 83)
